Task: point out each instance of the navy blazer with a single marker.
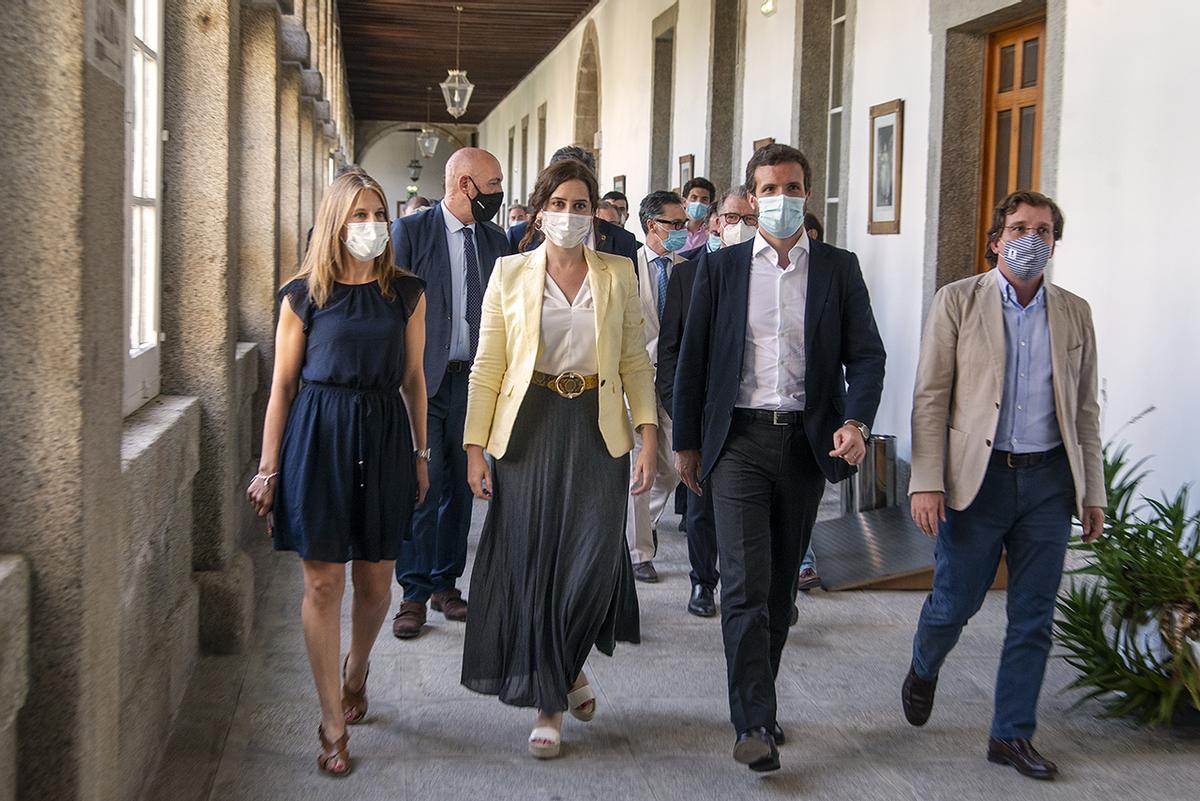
(419, 244)
(841, 345)
(609, 239)
(670, 329)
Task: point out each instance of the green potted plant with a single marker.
(1131, 623)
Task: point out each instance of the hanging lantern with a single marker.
(414, 170)
(427, 140)
(456, 89)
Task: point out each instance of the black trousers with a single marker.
(766, 489)
(702, 539)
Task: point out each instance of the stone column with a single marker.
(291, 236)
(307, 184)
(258, 209)
(62, 345)
(200, 290)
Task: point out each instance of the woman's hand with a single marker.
(261, 494)
(646, 466)
(478, 474)
(422, 480)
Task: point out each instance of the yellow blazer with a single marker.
(960, 382)
(510, 334)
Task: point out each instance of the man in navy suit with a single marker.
(453, 247)
(777, 328)
(736, 222)
(605, 237)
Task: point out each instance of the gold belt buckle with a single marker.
(1009, 459)
(569, 384)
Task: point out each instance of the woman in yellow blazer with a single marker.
(561, 348)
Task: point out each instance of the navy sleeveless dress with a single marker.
(347, 478)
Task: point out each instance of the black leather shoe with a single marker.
(644, 571)
(777, 733)
(1023, 756)
(755, 748)
(701, 604)
(795, 618)
(917, 696)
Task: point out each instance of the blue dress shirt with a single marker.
(460, 332)
(1027, 420)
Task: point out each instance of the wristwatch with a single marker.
(423, 453)
(862, 429)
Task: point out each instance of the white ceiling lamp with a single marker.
(427, 140)
(456, 89)
(767, 8)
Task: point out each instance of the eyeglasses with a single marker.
(677, 225)
(732, 218)
(1020, 230)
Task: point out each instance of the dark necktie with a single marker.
(662, 262)
(474, 293)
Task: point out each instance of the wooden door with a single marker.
(1012, 138)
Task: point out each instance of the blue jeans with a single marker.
(1026, 512)
(436, 556)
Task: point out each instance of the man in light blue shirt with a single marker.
(1027, 416)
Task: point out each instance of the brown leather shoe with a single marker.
(450, 603)
(409, 621)
(1023, 756)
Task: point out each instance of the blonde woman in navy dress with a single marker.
(561, 351)
(343, 457)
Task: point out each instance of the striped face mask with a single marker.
(1026, 257)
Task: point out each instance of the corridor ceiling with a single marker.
(396, 48)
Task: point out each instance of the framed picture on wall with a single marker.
(887, 167)
(619, 183)
(759, 144)
(687, 168)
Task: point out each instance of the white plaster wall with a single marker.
(892, 60)
(769, 53)
(1128, 188)
(386, 160)
(624, 31)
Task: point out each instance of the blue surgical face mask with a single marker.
(714, 242)
(1026, 257)
(780, 215)
(676, 240)
(697, 210)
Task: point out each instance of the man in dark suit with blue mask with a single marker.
(777, 328)
(605, 237)
(453, 247)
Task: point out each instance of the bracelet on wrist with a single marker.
(264, 477)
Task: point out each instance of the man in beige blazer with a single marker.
(660, 213)
(1006, 447)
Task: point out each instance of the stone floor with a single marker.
(247, 728)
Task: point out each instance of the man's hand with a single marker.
(687, 465)
(1093, 523)
(929, 509)
(848, 444)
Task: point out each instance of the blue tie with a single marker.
(474, 293)
(662, 262)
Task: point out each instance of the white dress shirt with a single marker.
(773, 362)
(648, 270)
(568, 331)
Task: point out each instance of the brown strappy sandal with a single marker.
(333, 753)
(354, 703)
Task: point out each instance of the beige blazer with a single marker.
(510, 335)
(646, 291)
(960, 382)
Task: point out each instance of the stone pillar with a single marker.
(307, 184)
(258, 209)
(291, 235)
(200, 289)
(62, 346)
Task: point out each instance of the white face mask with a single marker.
(737, 233)
(366, 240)
(566, 230)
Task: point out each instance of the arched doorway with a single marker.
(587, 93)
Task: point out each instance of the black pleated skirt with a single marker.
(552, 576)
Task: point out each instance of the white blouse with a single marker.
(568, 331)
